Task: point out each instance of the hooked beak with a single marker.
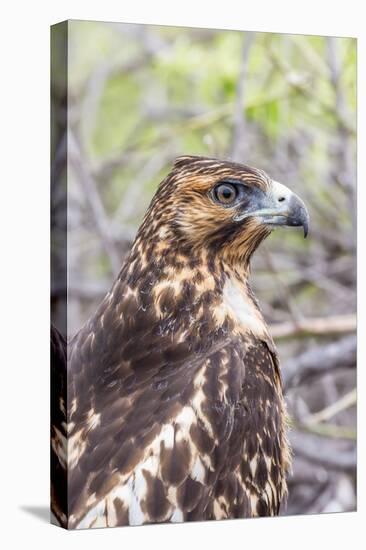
(279, 207)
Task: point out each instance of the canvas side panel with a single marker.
(59, 57)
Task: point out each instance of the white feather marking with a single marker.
(186, 417)
(94, 518)
(220, 508)
(132, 489)
(122, 492)
(166, 435)
(133, 492)
(73, 407)
(135, 514)
(177, 517)
(93, 419)
(198, 471)
(242, 307)
(268, 460)
(111, 513)
(140, 485)
(253, 503)
(75, 448)
(253, 465)
(198, 401)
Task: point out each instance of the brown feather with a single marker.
(176, 410)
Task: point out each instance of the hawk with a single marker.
(175, 410)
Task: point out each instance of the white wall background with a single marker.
(24, 289)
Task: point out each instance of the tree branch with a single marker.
(320, 359)
(327, 413)
(92, 196)
(334, 455)
(239, 128)
(315, 326)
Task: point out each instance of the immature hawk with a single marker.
(175, 406)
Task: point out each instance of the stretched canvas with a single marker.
(203, 353)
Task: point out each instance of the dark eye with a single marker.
(226, 193)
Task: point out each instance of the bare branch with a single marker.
(91, 193)
(131, 197)
(318, 326)
(328, 430)
(332, 454)
(344, 163)
(239, 130)
(342, 404)
(320, 359)
(285, 292)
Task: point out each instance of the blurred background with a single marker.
(138, 96)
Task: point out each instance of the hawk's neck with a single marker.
(195, 288)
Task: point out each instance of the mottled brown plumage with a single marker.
(175, 405)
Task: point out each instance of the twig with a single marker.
(92, 196)
(285, 292)
(327, 413)
(321, 499)
(208, 118)
(130, 198)
(332, 454)
(304, 86)
(320, 359)
(239, 138)
(315, 326)
(343, 163)
(328, 430)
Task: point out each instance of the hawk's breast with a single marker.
(242, 308)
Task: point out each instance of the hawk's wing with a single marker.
(159, 410)
(151, 415)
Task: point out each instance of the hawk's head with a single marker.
(225, 207)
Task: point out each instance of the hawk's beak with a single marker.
(279, 206)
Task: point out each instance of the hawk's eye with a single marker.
(226, 193)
